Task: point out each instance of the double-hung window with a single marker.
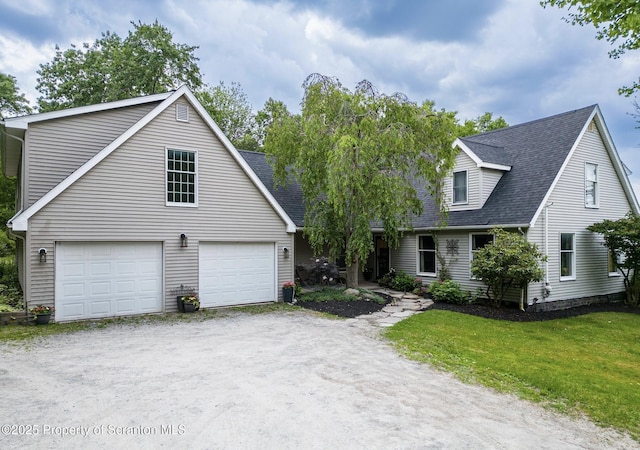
(478, 241)
(460, 187)
(567, 256)
(590, 185)
(613, 262)
(426, 255)
(182, 177)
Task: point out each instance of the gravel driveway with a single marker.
(279, 380)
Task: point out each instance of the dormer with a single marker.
(478, 169)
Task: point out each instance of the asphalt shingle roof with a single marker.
(535, 151)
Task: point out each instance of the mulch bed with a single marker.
(513, 314)
(340, 308)
(509, 312)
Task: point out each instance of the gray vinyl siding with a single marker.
(56, 148)
(490, 178)
(463, 162)
(405, 258)
(123, 199)
(567, 214)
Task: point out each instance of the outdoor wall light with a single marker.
(285, 250)
(184, 241)
(43, 254)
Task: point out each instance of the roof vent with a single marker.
(592, 126)
(182, 112)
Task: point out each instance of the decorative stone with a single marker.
(351, 292)
(403, 314)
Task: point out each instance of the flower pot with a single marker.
(180, 303)
(189, 307)
(43, 319)
(287, 294)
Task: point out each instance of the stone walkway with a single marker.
(403, 305)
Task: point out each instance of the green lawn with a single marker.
(587, 364)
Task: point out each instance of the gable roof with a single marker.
(20, 222)
(533, 156)
(289, 196)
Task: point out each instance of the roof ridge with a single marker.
(530, 122)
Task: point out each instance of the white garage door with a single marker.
(233, 273)
(103, 279)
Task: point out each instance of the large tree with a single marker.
(12, 102)
(481, 124)
(622, 238)
(358, 157)
(229, 107)
(616, 21)
(147, 61)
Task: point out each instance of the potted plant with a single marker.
(41, 314)
(183, 291)
(287, 291)
(190, 303)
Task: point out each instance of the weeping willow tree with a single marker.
(359, 157)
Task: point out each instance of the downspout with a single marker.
(522, 289)
(546, 289)
(20, 192)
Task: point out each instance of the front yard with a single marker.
(587, 364)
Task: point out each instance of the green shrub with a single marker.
(10, 292)
(449, 291)
(404, 282)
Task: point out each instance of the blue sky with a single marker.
(509, 57)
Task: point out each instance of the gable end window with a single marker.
(567, 256)
(591, 185)
(460, 187)
(426, 255)
(181, 178)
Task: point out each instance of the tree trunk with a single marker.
(352, 274)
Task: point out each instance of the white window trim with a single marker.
(596, 204)
(471, 277)
(571, 277)
(453, 187)
(418, 251)
(616, 272)
(166, 170)
(182, 112)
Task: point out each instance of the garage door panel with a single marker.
(101, 279)
(236, 273)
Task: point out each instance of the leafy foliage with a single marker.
(10, 292)
(616, 21)
(622, 238)
(12, 102)
(481, 124)
(230, 109)
(404, 282)
(356, 156)
(146, 62)
(509, 262)
(449, 291)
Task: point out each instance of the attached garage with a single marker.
(105, 279)
(237, 273)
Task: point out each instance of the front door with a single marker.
(382, 257)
